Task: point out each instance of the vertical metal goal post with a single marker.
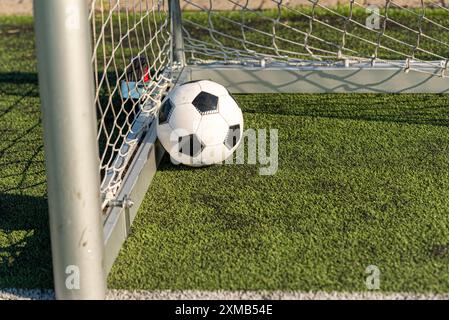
(95, 186)
(106, 66)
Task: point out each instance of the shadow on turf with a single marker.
(441, 122)
(18, 78)
(25, 259)
(21, 84)
(167, 165)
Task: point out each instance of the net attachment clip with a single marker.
(124, 203)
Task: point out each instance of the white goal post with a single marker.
(105, 67)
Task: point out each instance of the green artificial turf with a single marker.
(362, 179)
(25, 258)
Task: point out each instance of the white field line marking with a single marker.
(15, 294)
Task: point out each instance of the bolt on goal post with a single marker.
(105, 67)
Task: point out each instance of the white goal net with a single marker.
(413, 37)
(131, 55)
(132, 51)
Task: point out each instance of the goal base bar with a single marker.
(143, 167)
(383, 78)
(119, 219)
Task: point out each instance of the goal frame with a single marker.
(79, 235)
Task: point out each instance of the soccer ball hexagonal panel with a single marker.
(213, 129)
(206, 103)
(230, 110)
(168, 138)
(185, 119)
(213, 88)
(185, 93)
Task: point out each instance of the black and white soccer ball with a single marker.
(200, 123)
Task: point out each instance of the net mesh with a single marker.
(131, 56)
(413, 38)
